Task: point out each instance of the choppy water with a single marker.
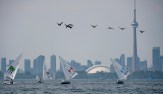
(83, 87)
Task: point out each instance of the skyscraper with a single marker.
(75, 65)
(143, 65)
(40, 63)
(156, 59)
(97, 62)
(129, 64)
(3, 65)
(53, 64)
(117, 60)
(35, 67)
(134, 25)
(161, 62)
(112, 70)
(122, 60)
(27, 66)
(89, 63)
(10, 62)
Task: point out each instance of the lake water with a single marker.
(83, 87)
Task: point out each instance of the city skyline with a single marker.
(31, 27)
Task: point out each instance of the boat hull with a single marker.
(8, 83)
(65, 82)
(40, 81)
(120, 82)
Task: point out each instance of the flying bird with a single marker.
(110, 28)
(69, 26)
(122, 28)
(141, 31)
(59, 24)
(94, 26)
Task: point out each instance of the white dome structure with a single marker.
(98, 68)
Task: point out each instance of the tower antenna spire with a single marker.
(134, 4)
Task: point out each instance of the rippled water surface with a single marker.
(83, 87)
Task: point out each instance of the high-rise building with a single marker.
(143, 65)
(53, 64)
(161, 62)
(117, 60)
(27, 65)
(97, 62)
(156, 59)
(122, 60)
(129, 64)
(137, 65)
(89, 63)
(38, 65)
(35, 67)
(112, 70)
(10, 62)
(3, 65)
(135, 26)
(75, 65)
(40, 62)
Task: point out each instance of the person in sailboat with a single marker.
(11, 81)
(40, 80)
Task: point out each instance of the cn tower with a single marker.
(134, 25)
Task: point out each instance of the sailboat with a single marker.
(12, 70)
(121, 71)
(45, 76)
(67, 70)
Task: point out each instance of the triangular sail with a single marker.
(67, 69)
(46, 73)
(121, 71)
(37, 78)
(13, 68)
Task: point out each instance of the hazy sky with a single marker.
(29, 26)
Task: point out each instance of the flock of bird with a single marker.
(94, 26)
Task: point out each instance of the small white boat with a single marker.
(12, 70)
(121, 71)
(45, 76)
(68, 71)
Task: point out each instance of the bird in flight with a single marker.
(122, 28)
(141, 31)
(94, 26)
(110, 28)
(69, 26)
(59, 24)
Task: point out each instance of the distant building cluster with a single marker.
(37, 69)
(78, 67)
(157, 62)
(39, 62)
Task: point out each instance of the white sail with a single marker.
(121, 71)
(37, 78)
(13, 68)
(46, 73)
(67, 69)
